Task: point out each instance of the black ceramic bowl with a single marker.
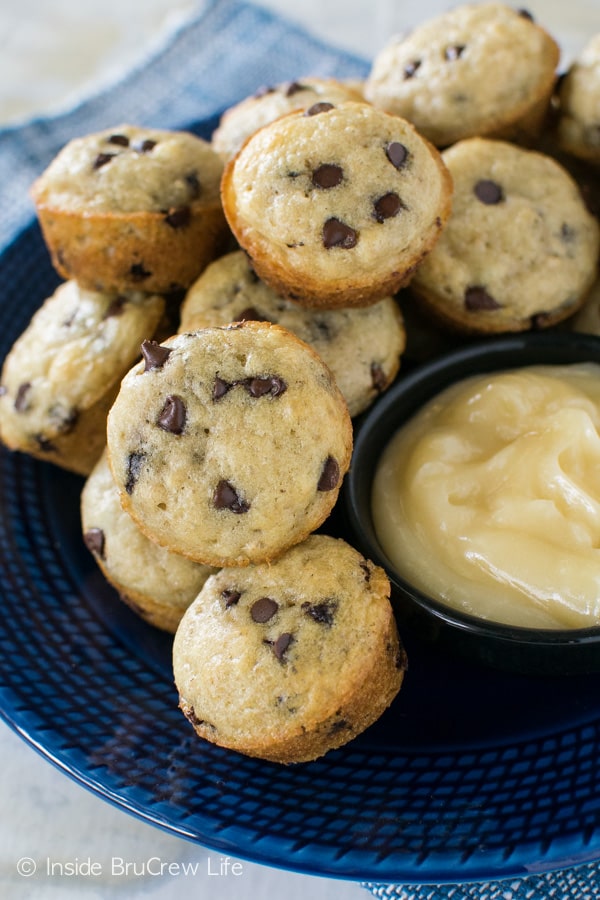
(529, 650)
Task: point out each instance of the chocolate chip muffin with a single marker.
(156, 584)
(579, 104)
(132, 208)
(62, 374)
(520, 250)
(362, 347)
(229, 444)
(336, 205)
(271, 102)
(479, 69)
(289, 660)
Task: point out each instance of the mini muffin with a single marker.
(269, 103)
(479, 69)
(156, 584)
(520, 250)
(62, 374)
(336, 205)
(362, 347)
(289, 660)
(579, 105)
(132, 208)
(229, 445)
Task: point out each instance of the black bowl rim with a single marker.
(478, 357)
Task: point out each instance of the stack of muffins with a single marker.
(214, 449)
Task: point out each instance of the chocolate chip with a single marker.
(330, 475)
(321, 328)
(328, 175)
(220, 388)
(193, 183)
(323, 613)
(120, 139)
(64, 420)
(339, 725)
(397, 154)
(489, 192)
(293, 87)
(21, 398)
(102, 159)
(115, 308)
(94, 541)
(387, 206)
(263, 610)
(145, 146)
(230, 596)
(178, 217)
(44, 444)
(411, 67)
(191, 716)
(400, 658)
(364, 564)
(135, 462)
(476, 298)
(567, 233)
(225, 496)
(525, 14)
(454, 51)
(262, 91)
(155, 355)
(540, 321)
(281, 644)
(338, 234)
(250, 314)
(138, 272)
(173, 415)
(282, 700)
(317, 108)
(378, 377)
(270, 385)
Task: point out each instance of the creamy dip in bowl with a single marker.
(475, 482)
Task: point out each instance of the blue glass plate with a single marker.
(471, 774)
